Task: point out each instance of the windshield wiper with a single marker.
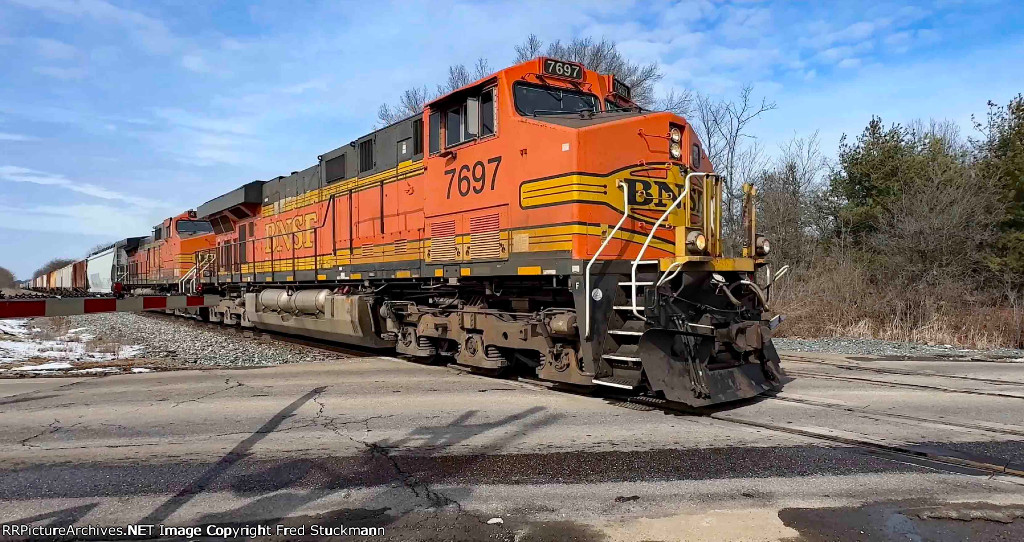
(552, 112)
(563, 111)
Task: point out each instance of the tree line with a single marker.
(915, 232)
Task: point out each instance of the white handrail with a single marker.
(650, 237)
(611, 234)
(192, 276)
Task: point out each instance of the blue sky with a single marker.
(116, 113)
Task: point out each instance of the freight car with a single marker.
(534, 219)
(103, 271)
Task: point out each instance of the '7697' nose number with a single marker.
(468, 179)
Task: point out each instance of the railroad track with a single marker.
(935, 458)
(904, 385)
(951, 461)
(816, 402)
(904, 372)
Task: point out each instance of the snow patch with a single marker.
(52, 366)
(15, 326)
(97, 370)
(23, 350)
(141, 370)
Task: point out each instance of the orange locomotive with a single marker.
(163, 262)
(533, 219)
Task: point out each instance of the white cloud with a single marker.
(17, 174)
(848, 63)
(82, 219)
(194, 63)
(149, 32)
(54, 49)
(60, 73)
(16, 137)
(180, 117)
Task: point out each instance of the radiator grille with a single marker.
(485, 238)
(442, 242)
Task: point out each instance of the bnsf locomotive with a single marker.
(536, 218)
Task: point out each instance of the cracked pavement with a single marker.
(429, 452)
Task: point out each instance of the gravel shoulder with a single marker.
(113, 343)
(876, 347)
(103, 344)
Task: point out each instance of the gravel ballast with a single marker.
(876, 347)
(174, 339)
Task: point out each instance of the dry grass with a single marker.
(836, 298)
(105, 345)
(55, 328)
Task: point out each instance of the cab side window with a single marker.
(435, 132)
(465, 120)
(487, 113)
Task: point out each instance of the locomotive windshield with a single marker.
(536, 100)
(193, 227)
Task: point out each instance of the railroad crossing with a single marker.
(865, 448)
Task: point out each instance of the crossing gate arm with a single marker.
(70, 306)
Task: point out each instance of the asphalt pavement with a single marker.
(378, 448)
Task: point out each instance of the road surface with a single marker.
(853, 449)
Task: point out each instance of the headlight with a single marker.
(696, 242)
(761, 245)
(676, 151)
(675, 135)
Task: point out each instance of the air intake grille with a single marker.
(442, 242)
(485, 233)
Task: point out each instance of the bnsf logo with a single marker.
(651, 193)
(301, 228)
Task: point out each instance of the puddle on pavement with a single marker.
(911, 521)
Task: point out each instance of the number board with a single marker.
(565, 70)
(620, 88)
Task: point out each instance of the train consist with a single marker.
(100, 272)
(536, 219)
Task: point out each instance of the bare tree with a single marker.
(599, 55)
(414, 99)
(603, 56)
(722, 126)
(482, 68)
(787, 200)
(411, 103)
(681, 103)
(458, 76)
(529, 49)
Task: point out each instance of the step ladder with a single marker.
(189, 283)
(627, 337)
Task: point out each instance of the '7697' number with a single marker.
(473, 178)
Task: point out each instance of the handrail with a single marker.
(272, 240)
(611, 234)
(203, 261)
(650, 237)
